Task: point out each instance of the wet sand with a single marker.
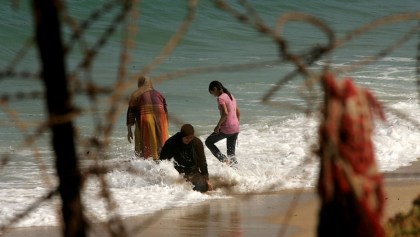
(290, 213)
(242, 215)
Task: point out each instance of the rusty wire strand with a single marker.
(20, 54)
(100, 140)
(92, 52)
(114, 224)
(112, 114)
(78, 30)
(130, 33)
(23, 128)
(418, 65)
(9, 223)
(368, 27)
(166, 51)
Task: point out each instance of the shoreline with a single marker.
(261, 214)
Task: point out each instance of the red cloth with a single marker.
(350, 186)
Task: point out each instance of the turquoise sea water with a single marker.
(274, 143)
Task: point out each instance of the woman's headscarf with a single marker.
(144, 84)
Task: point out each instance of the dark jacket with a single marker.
(189, 158)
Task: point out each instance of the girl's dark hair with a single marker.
(219, 86)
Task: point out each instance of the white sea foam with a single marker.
(272, 155)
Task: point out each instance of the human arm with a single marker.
(223, 117)
(167, 151)
(131, 117)
(202, 161)
(129, 133)
(238, 113)
(201, 157)
(209, 185)
(132, 114)
(165, 107)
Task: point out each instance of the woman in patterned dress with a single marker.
(147, 110)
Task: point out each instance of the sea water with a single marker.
(276, 145)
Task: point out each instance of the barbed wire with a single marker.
(97, 144)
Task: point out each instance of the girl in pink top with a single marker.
(228, 125)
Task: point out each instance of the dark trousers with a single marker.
(230, 145)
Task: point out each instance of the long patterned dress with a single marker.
(149, 114)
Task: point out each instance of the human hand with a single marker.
(209, 186)
(129, 136)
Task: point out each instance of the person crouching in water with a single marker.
(190, 160)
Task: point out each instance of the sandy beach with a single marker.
(290, 213)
